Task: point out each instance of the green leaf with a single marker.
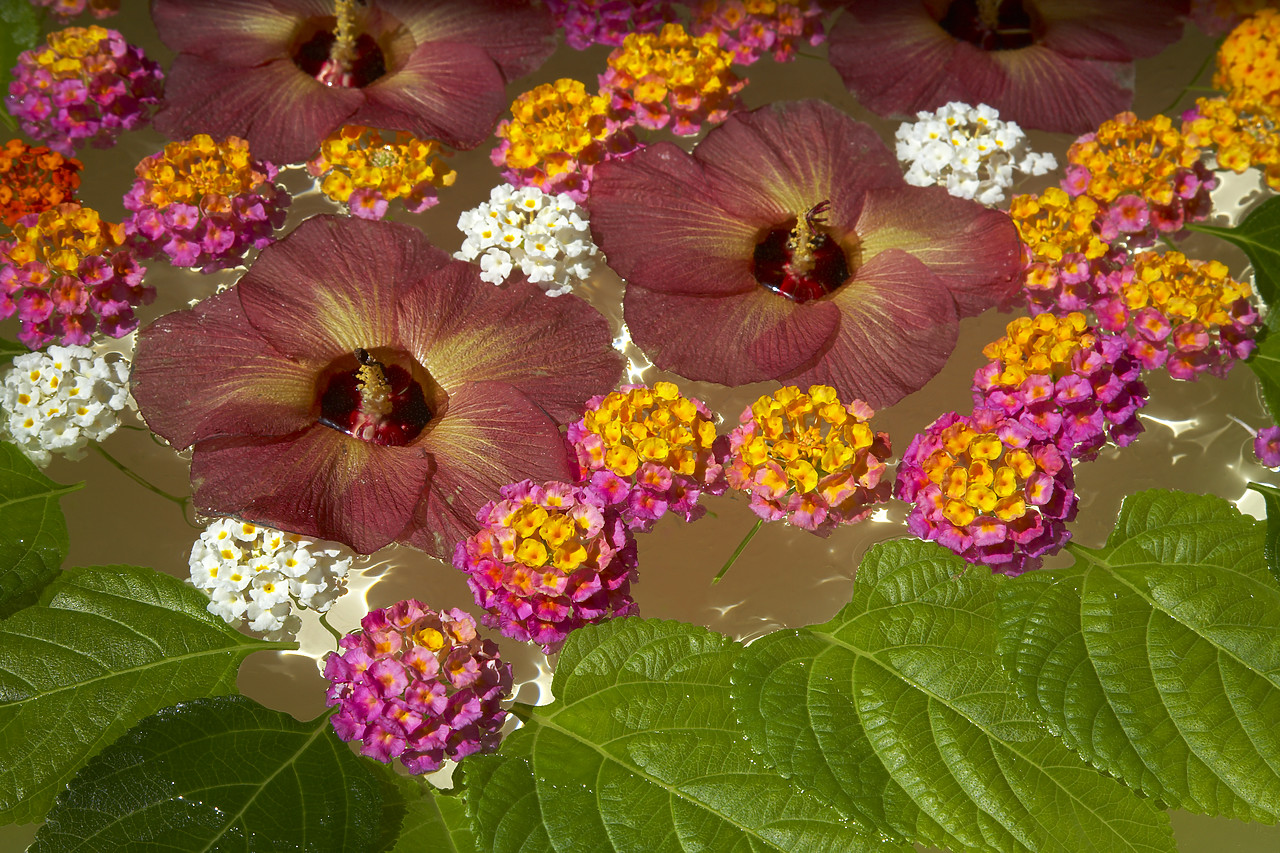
(1259, 237)
(1270, 545)
(641, 753)
(110, 646)
(1265, 364)
(19, 31)
(1157, 657)
(898, 710)
(223, 774)
(433, 821)
(9, 349)
(33, 532)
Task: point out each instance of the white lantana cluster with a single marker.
(968, 150)
(544, 235)
(59, 400)
(257, 574)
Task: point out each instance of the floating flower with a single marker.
(556, 136)
(749, 30)
(968, 150)
(1146, 174)
(588, 22)
(1266, 446)
(364, 170)
(359, 385)
(981, 486)
(1242, 132)
(1188, 315)
(671, 80)
(1064, 381)
(68, 275)
(542, 235)
(1249, 58)
(548, 559)
(256, 574)
(809, 458)
(1057, 65)
(285, 75)
(34, 179)
(59, 400)
(204, 204)
(651, 450)
(788, 246)
(66, 9)
(86, 85)
(419, 686)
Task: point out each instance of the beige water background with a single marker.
(786, 577)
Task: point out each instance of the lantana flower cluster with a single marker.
(1145, 174)
(753, 28)
(984, 488)
(1064, 381)
(556, 136)
(809, 458)
(546, 237)
(588, 22)
(1241, 131)
(1248, 61)
(67, 9)
(968, 150)
(204, 204)
(257, 574)
(59, 400)
(86, 85)
(419, 686)
(67, 275)
(1189, 316)
(34, 179)
(548, 559)
(671, 80)
(365, 170)
(650, 451)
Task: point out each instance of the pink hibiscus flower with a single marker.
(359, 385)
(788, 246)
(273, 71)
(1059, 65)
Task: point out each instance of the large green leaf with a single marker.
(19, 31)
(1158, 656)
(433, 821)
(33, 532)
(1259, 236)
(224, 774)
(641, 752)
(110, 646)
(899, 711)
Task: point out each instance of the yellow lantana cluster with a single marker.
(186, 172)
(1249, 59)
(1183, 290)
(62, 237)
(1054, 224)
(1242, 130)
(655, 425)
(364, 169)
(1044, 345)
(1146, 158)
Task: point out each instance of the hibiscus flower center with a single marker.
(799, 260)
(990, 24)
(372, 400)
(335, 53)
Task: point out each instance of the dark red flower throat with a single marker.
(799, 260)
(990, 24)
(335, 52)
(375, 402)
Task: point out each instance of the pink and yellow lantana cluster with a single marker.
(364, 169)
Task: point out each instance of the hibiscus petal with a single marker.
(517, 35)
(1112, 30)
(731, 340)
(777, 162)
(897, 329)
(450, 92)
(490, 435)
(555, 350)
(975, 251)
(318, 482)
(332, 284)
(239, 384)
(234, 32)
(660, 226)
(1058, 93)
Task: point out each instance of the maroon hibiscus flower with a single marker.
(788, 246)
(1060, 65)
(359, 385)
(286, 73)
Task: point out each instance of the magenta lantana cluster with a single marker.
(419, 686)
(588, 22)
(1266, 446)
(984, 487)
(1065, 382)
(86, 85)
(204, 204)
(650, 451)
(750, 30)
(548, 559)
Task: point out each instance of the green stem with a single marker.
(337, 635)
(733, 558)
(1191, 86)
(183, 503)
